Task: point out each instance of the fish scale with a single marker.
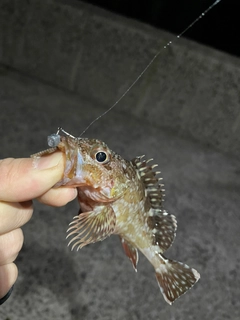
(124, 198)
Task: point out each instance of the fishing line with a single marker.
(150, 63)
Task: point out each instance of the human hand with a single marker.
(22, 180)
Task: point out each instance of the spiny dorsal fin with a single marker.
(162, 224)
(150, 180)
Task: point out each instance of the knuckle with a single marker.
(10, 245)
(24, 214)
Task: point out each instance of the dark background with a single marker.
(58, 70)
(219, 28)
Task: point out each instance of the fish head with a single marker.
(93, 167)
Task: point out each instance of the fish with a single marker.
(124, 198)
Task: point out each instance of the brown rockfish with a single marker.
(122, 197)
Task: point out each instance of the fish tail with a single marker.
(175, 278)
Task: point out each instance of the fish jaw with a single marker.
(73, 173)
(100, 181)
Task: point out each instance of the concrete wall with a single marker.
(190, 88)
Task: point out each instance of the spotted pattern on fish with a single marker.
(125, 198)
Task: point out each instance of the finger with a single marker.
(25, 179)
(10, 245)
(14, 215)
(58, 197)
(8, 276)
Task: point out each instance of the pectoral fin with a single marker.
(93, 226)
(131, 252)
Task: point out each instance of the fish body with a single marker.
(122, 197)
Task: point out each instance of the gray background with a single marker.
(64, 63)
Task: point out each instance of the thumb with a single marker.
(28, 178)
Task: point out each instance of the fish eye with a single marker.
(101, 157)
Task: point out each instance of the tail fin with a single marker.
(175, 278)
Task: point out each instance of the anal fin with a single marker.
(93, 226)
(175, 278)
(131, 252)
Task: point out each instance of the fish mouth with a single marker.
(73, 168)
